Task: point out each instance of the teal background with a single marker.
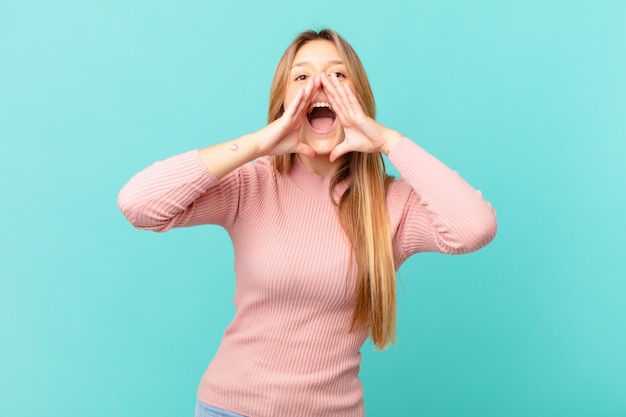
(526, 99)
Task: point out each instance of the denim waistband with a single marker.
(205, 410)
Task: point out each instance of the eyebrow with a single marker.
(305, 63)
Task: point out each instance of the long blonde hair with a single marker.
(362, 209)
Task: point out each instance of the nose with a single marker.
(321, 87)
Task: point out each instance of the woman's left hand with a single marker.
(362, 133)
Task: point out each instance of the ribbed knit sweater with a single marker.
(289, 351)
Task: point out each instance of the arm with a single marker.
(439, 211)
(278, 138)
(165, 195)
(432, 209)
(201, 186)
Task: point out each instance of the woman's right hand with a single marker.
(282, 136)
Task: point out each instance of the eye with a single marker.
(302, 77)
(337, 74)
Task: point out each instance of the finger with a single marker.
(311, 88)
(348, 99)
(334, 97)
(339, 151)
(354, 101)
(326, 82)
(304, 98)
(330, 88)
(292, 108)
(317, 83)
(338, 87)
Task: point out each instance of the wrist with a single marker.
(392, 138)
(258, 143)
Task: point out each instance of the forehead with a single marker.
(320, 50)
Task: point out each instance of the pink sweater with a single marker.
(288, 351)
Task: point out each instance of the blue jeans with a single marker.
(205, 410)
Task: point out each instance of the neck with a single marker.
(320, 165)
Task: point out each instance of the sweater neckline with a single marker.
(312, 183)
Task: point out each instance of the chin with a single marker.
(322, 142)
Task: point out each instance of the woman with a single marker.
(318, 230)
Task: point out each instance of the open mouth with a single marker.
(321, 117)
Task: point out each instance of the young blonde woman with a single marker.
(318, 230)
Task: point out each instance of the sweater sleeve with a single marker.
(433, 209)
(179, 191)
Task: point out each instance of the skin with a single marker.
(317, 75)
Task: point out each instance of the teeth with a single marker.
(320, 104)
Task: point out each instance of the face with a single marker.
(321, 129)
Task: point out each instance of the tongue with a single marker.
(322, 123)
(321, 118)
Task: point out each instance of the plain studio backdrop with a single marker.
(526, 99)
